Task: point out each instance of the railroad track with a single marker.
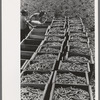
(61, 59)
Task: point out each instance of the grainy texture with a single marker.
(78, 59)
(83, 51)
(77, 38)
(41, 65)
(72, 66)
(56, 33)
(93, 91)
(49, 50)
(35, 78)
(82, 8)
(28, 93)
(45, 57)
(78, 44)
(56, 29)
(52, 44)
(70, 93)
(54, 38)
(61, 8)
(78, 34)
(70, 78)
(58, 23)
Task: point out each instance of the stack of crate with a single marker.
(52, 75)
(36, 74)
(70, 80)
(30, 44)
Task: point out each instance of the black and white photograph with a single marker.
(49, 50)
(57, 50)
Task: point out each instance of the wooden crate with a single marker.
(31, 42)
(79, 74)
(35, 37)
(42, 87)
(57, 54)
(59, 19)
(23, 65)
(23, 62)
(55, 24)
(24, 73)
(26, 54)
(78, 46)
(82, 34)
(52, 47)
(75, 39)
(60, 37)
(38, 30)
(61, 42)
(86, 88)
(52, 63)
(61, 32)
(77, 55)
(28, 48)
(61, 62)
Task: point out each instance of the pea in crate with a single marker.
(81, 57)
(78, 44)
(53, 43)
(81, 34)
(74, 66)
(43, 65)
(55, 38)
(79, 51)
(36, 77)
(57, 31)
(34, 91)
(47, 56)
(58, 23)
(75, 29)
(74, 21)
(70, 92)
(50, 49)
(72, 78)
(78, 38)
